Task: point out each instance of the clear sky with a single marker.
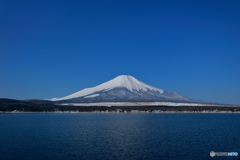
(55, 48)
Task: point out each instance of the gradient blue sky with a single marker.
(54, 48)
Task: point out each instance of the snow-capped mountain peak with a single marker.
(129, 82)
(122, 81)
(124, 88)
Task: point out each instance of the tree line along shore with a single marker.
(10, 105)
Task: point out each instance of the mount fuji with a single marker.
(123, 88)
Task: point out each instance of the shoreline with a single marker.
(121, 112)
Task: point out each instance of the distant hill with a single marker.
(30, 105)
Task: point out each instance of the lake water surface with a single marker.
(89, 136)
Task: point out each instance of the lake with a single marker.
(43, 136)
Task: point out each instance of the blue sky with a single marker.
(54, 48)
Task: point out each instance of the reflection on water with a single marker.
(117, 136)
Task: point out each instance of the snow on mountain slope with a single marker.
(123, 81)
(93, 95)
